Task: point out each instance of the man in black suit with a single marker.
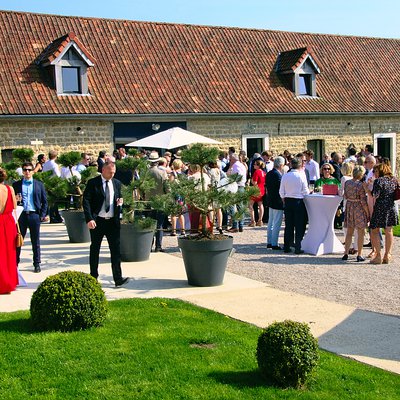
(31, 194)
(102, 201)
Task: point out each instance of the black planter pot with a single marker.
(77, 229)
(205, 261)
(135, 243)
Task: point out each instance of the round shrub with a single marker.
(68, 301)
(287, 353)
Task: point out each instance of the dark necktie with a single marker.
(107, 198)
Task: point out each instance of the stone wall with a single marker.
(292, 133)
(61, 135)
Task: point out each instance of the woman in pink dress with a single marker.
(258, 179)
(8, 235)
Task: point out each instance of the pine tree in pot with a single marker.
(205, 255)
(137, 229)
(19, 156)
(74, 218)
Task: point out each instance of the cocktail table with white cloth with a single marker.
(320, 237)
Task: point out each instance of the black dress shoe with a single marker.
(36, 268)
(360, 259)
(122, 282)
(345, 257)
(159, 250)
(269, 246)
(299, 251)
(276, 247)
(289, 250)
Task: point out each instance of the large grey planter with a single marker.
(135, 243)
(75, 223)
(205, 261)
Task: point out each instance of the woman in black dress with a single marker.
(384, 214)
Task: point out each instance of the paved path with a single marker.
(366, 336)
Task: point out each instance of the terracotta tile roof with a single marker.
(157, 68)
(289, 61)
(54, 49)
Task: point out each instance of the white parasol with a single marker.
(171, 139)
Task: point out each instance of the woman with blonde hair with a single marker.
(356, 215)
(8, 237)
(384, 214)
(347, 172)
(326, 177)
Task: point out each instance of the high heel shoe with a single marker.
(345, 257)
(360, 259)
(386, 258)
(376, 260)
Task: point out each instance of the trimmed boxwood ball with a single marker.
(287, 353)
(68, 301)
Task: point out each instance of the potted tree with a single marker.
(75, 182)
(19, 156)
(137, 229)
(205, 255)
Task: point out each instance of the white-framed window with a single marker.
(385, 146)
(255, 143)
(304, 81)
(71, 82)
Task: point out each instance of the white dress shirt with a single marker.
(313, 169)
(293, 185)
(110, 212)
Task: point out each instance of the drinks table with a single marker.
(320, 237)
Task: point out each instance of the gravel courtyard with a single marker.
(362, 285)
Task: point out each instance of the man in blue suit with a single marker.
(31, 194)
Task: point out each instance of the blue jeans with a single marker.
(238, 207)
(274, 226)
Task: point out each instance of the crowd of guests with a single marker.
(365, 181)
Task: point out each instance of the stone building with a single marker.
(87, 84)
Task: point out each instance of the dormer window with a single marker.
(301, 66)
(70, 60)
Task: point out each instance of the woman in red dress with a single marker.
(8, 235)
(258, 179)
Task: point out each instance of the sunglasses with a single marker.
(326, 169)
(26, 169)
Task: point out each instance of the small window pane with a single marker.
(302, 85)
(70, 78)
(305, 85)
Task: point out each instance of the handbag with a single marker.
(396, 194)
(19, 240)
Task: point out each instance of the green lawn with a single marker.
(396, 230)
(162, 349)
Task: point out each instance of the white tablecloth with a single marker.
(320, 237)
